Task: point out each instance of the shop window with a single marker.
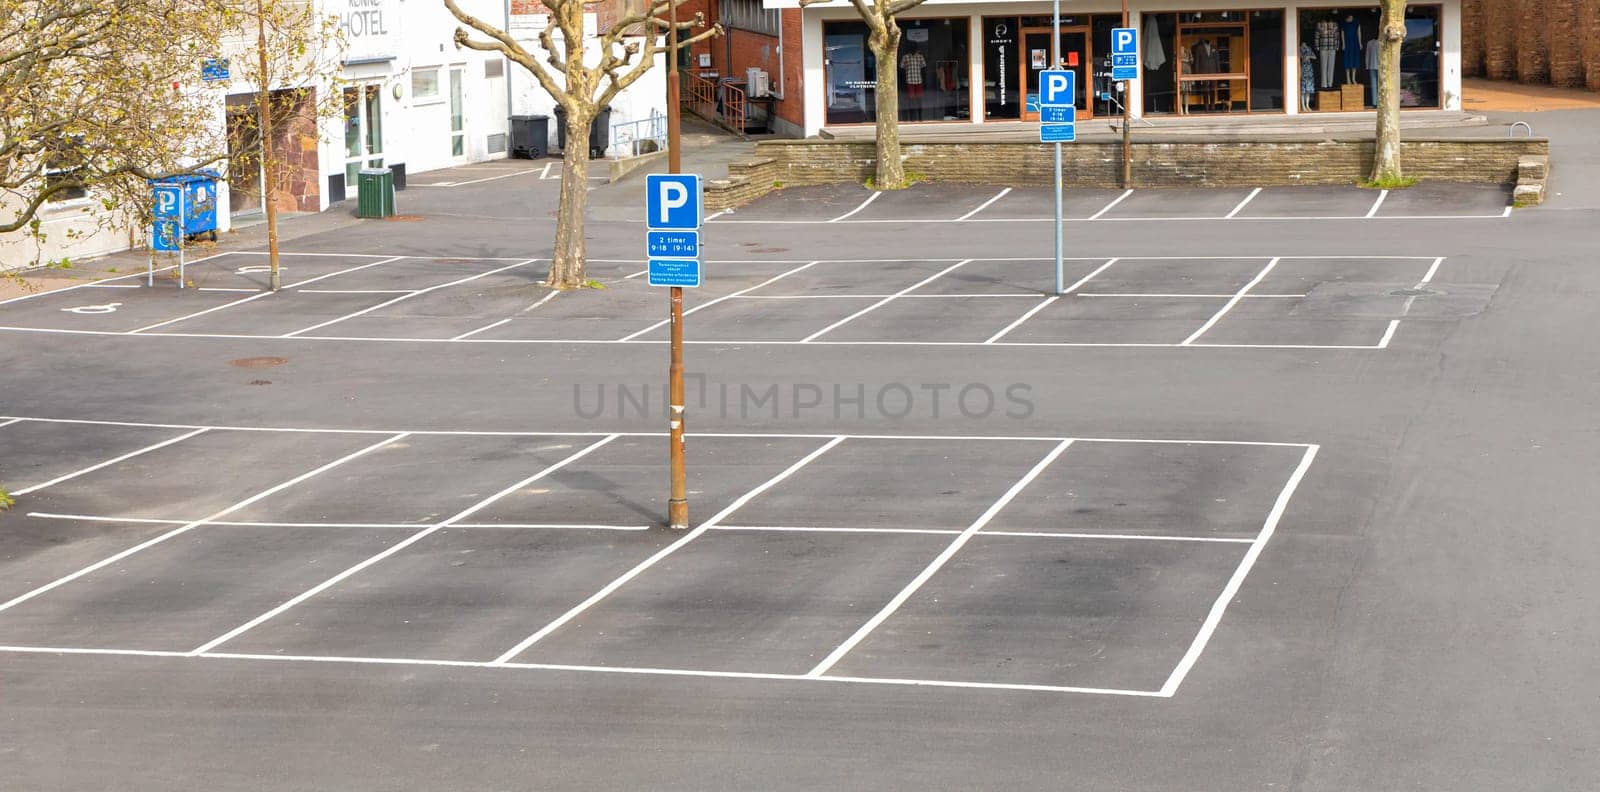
(1197, 62)
(932, 77)
(1339, 48)
(1157, 63)
(1213, 67)
(1266, 60)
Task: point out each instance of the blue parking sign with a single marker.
(1124, 41)
(672, 201)
(165, 236)
(168, 201)
(1058, 87)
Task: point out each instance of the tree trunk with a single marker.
(885, 43)
(1386, 144)
(567, 266)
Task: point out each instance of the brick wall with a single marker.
(788, 163)
(1589, 13)
(1534, 41)
(748, 48)
(1471, 38)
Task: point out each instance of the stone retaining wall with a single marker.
(788, 163)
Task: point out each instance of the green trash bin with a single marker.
(375, 193)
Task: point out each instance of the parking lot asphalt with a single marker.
(1289, 490)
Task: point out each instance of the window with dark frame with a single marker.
(749, 15)
(62, 165)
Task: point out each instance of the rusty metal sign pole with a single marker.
(678, 500)
(1127, 120)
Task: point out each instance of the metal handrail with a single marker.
(632, 135)
(1512, 132)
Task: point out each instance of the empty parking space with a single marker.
(1153, 490)
(1439, 199)
(1116, 320)
(1090, 613)
(33, 453)
(1177, 203)
(1036, 203)
(946, 318)
(744, 601)
(1175, 276)
(924, 201)
(1310, 201)
(963, 477)
(1290, 322)
(818, 203)
(459, 594)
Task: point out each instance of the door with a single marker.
(1036, 58)
(363, 131)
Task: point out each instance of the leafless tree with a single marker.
(884, 39)
(581, 82)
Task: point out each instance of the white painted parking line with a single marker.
(734, 435)
(709, 303)
(1433, 270)
(358, 291)
(717, 215)
(397, 547)
(9, 421)
(113, 286)
(551, 667)
(1023, 318)
(984, 205)
(884, 301)
(259, 295)
(1108, 207)
(92, 468)
(1373, 212)
(1231, 590)
(577, 610)
(228, 289)
(186, 527)
(352, 525)
(957, 531)
(404, 297)
(1011, 295)
(938, 562)
(1091, 276)
(729, 342)
(1243, 204)
(864, 204)
(485, 179)
(1216, 317)
(1188, 296)
(490, 326)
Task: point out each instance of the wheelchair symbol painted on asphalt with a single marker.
(94, 309)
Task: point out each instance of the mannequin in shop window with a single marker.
(913, 64)
(1308, 75)
(1328, 42)
(1350, 37)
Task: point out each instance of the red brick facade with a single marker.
(1534, 41)
(738, 50)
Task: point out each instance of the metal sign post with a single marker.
(1055, 63)
(1058, 119)
(678, 499)
(1124, 70)
(672, 243)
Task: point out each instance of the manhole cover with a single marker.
(258, 362)
(1412, 293)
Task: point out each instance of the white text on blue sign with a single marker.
(1058, 115)
(672, 244)
(674, 272)
(1058, 133)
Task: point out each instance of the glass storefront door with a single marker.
(1075, 55)
(363, 131)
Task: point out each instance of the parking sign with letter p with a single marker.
(672, 201)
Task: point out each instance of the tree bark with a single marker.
(1386, 143)
(570, 259)
(885, 42)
